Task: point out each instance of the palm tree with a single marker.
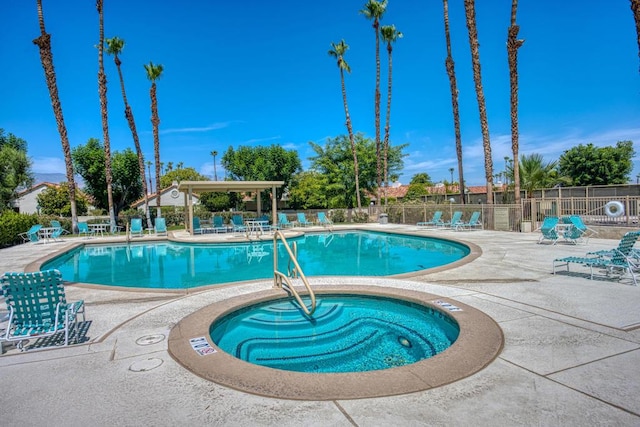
(535, 173)
(513, 44)
(46, 58)
(214, 153)
(114, 47)
(451, 72)
(153, 73)
(338, 50)
(389, 35)
(102, 91)
(635, 7)
(374, 10)
(469, 7)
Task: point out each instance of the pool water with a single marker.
(170, 265)
(347, 333)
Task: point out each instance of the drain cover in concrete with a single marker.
(150, 339)
(146, 365)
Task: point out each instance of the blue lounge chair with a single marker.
(283, 221)
(582, 231)
(218, 224)
(620, 261)
(548, 230)
(473, 223)
(83, 228)
(59, 230)
(160, 226)
(197, 227)
(302, 220)
(238, 224)
(136, 228)
(455, 222)
(31, 235)
(434, 222)
(323, 220)
(38, 307)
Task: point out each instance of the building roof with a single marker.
(226, 186)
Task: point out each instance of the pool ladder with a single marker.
(281, 280)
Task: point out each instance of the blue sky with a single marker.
(257, 73)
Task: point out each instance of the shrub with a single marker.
(339, 215)
(12, 224)
(360, 217)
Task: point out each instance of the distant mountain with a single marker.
(55, 178)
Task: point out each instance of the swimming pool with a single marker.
(170, 265)
(347, 333)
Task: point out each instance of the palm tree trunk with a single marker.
(451, 72)
(387, 126)
(136, 141)
(102, 91)
(469, 6)
(155, 120)
(46, 58)
(376, 26)
(351, 139)
(635, 7)
(513, 44)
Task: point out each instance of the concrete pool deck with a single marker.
(571, 352)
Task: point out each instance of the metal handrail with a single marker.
(279, 279)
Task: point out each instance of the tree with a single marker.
(374, 10)
(390, 35)
(513, 44)
(591, 165)
(46, 58)
(453, 84)
(416, 191)
(470, 12)
(182, 174)
(89, 161)
(55, 201)
(153, 73)
(421, 178)
(338, 51)
(535, 173)
(635, 7)
(262, 163)
(15, 168)
(114, 47)
(308, 191)
(104, 112)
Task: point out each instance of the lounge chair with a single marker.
(283, 221)
(585, 232)
(59, 229)
(197, 227)
(238, 224)
(621, 259)
(323, 220)
(218, 224)
(473, 223)
(160, 226)
(31, 235)
(455, 222)
(38, 307)
(302, 220)
(83, 228)
(136, 228)
(548, 230)
(434, 222)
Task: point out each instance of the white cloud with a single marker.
(211, 127)
(48, 165)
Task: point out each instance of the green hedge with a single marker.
(12, 224)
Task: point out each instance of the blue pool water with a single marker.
(347, 333)
(179, 265)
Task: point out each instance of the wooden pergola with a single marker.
(189, 187)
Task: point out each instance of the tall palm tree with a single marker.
(214, 153)
(114, 47)
(102, 91)
(513, 44)
(451, 72)
(389, 35)
(338, 50)
(153, 73)
(536, 173)
(469, 7)
(374, 10)
(46, 58)
(635, 7)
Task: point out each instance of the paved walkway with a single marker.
(570, 357)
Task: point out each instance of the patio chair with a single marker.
(136, 228)
(160, 227)
(197, 227)
(83, 228)
(218, 224)
(31, 235)
(238, 224)
(38, 307)
(585, 231)
(323, 220)
(283, 221)
(302, 220)
(436, 220)
(473, 223)
(56, 224)
(621, 259)
(455, 222)
(548, 230)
